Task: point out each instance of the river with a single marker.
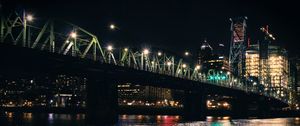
(51, 119)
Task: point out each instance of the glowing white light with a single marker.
(109, 48)
(29, 17)
(159, 54)
(186, 53)
(146, 51)
(73, 34)
(184, 65)
(169, 63)
(197, 67)
(112, 26)
(125, 49)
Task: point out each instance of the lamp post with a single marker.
(73, 35)
(26, 17)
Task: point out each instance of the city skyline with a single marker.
(109, 61)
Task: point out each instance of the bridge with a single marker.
(55, 46)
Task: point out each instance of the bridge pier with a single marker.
(246, 106)
(102, 101)
(194, 105)
(240, 107)
(264, 107)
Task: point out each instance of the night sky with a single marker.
(171, 24)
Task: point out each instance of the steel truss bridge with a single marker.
(65, 38)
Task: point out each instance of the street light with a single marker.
(112, 26)
(169, 63)
(186, 53)
(109, 48)
(197, 67)
(73, 34)
(29, 17)
(146, 51)
(125, 49)
(159, 54)
(184, 65)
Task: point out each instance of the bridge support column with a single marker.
(194, 105)
(263, 107)
(102, 101)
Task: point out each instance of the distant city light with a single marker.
(228, 73)
(225, 104)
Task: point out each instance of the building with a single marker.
(137, 92)
(205, 52)
(216, 68)
(55, 91)
(217, 62)
(213, 64)
(297, 79)
(212, 60)
(273, 72)
(133, 94)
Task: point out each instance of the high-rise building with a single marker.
(205, 52)
(276, 70)
(214, 65)
(216, 62)
(297, 85)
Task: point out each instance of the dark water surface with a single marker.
(51, 119)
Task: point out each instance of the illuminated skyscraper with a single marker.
(276, 70)
(205, 52)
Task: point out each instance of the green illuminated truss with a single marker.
(68, 39)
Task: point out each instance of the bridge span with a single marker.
(103, 79)
(36, 49)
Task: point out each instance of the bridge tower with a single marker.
(238, 46)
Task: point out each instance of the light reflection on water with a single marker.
(51, 119)
(164, 120)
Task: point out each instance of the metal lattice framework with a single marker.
(238, 46)
(78, 42)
